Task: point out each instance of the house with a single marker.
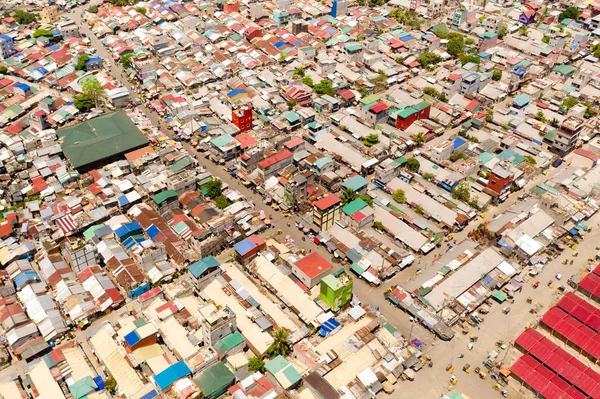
(358, 215)
(404, 118)
(311, 269)
(527, 17)
(300, 95)
(500, 180)
(356, 183)
(354, 53)
(326, 211)
(565, 139)
(273, 164)
(376, 114)
(519, 105)
(93, 64)
(7, 46)
(204, 271)
(241, 117)
(470, 83)
(336, 290)
(246, 250)
(487, 40)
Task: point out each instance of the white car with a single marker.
(558, 276)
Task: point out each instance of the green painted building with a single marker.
(336, 290)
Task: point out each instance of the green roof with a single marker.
(181, 164)
(421, 106)
(369, 99)
(406, 112)
(353, 47)
(355, 267)
(522, 99)
(163, 196)
(485, 157)
(83, 387)
(488, 35)
(229, 342)
(499, 296)
(292, 117)
(332, 282)
(355, 183)
(222, 140)
(551, 135)
(214, 380)
(89, 233)
(100, 139)
(354, 206)
(279, 366)
(564, 69)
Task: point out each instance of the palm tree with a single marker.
(348, 195)
(419, 139)
(281, 344)
(299, 72)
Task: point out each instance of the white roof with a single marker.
(44, 382)
(289, 290)
(400, 230)
(10, 390)
(528, 245)
(113, 358)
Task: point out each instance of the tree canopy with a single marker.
(214, 188)
(83, 102)
(348, 196)
(413, 165)
(25, 18)
(427, 59)
(371, 139)
(399, 196)
(325, 86)
(42, 32)
(256, 364)
(81, 60)
(462, 192)
(126, 60)
(307, 80)
(456, 45)
(571, 13)
(406, 17)
(92, 88)
(496, 75)
(281, 344)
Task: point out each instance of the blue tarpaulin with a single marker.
(328, 327)
(243, 247)
(152, 231)
(573, 231)
(99, 383)
(167, 377)
(132, 338)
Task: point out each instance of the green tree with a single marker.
(569, 102)
(419, 210)
(3, 70)
(93, 89)
(307, 80)
(141, 10)
(111, 385)
(571, 13)
(93, 9)
(399, 196)
(380, 81)
(523, 29)
(408, 17)
(540, 116)
(348, 195)
(430, 91)
(546, 39)
(126, 60)
(214, 188)
(221, 202)
(362, 90)
(42, 32)
(502, 31)
(281, 58)
(413, 165)
(456, 45)
(474, 202)
(489, 116)
(496, 75)
(281, 344)
(371, 140)
(427, 59)
(367, 199)
(462, 192)
(299, 72)
(291, 103)
(554, 122)
(429, 176)
(466, 58)
(419, 139)
(84, 103)
(81, 60)
(378, 225)
(25, 18)
(256, 364)
(325, 86)
(469, 41)
(530, 160)
(590, 112)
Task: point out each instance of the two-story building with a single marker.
(273, 164)
(326, 211)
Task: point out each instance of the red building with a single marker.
(231, 7)
(500, 180)
(409, 115)
(252, 33)
(242, 118)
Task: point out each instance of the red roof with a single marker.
(587, 154)
(346, 94)
(379, 107)
(327, 202)
(273, 159)
(5, 229)
(293, 142)
(313, 265)
(472, 106)
(245, 140)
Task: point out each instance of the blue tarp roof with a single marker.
(279, 44)
(150, 395)
(130, 242)
(99, 382)
(198, 268)
(25, 277)
(22, 86)
(329, 326)
(167, 377)
(132, 338)
(93, 59)
(235, 92)
(459, 141)
(123, 200)
(128, 229)
(244, 246)
(152, 231)
(54, 47)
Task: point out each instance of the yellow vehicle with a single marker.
(449, 368)
(450, 237)
(467, 368)
(590, 259)
(482, 375)
(574, 247)
(483, 215)
(453, 380)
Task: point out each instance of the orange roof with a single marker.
(137, 154)
(313, 265)
(327, 202)
(273, 159)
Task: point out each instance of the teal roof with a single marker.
(163, 196)
(488, 35)
(355, 183)
(564, 69)
(198, 268)
(181, 164)
(353, 47)
(281, 369)
(406, 112)
(229, 342)
(221, 141)
(322, 162)
(83, 387)
(522, 100)
(354, 206)
(292, 117)
(214, 380)
(511, 156)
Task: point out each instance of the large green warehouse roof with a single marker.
(101, 138)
